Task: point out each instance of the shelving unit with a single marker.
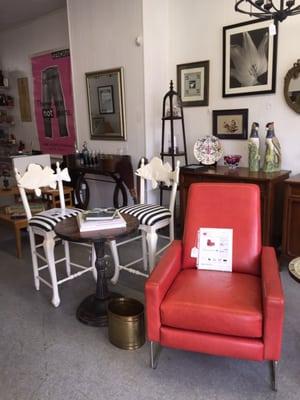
(172, 112)
(6, 118)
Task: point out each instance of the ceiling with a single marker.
(15, 12)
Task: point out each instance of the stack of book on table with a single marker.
(97, 219)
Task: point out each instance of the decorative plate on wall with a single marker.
(208, 150)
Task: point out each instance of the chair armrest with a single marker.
(273, 304)
(157, 286)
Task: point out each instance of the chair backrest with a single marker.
(157, 172)
(226, 205)
(22, 162)
(34, 173)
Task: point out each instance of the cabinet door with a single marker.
(292, 231)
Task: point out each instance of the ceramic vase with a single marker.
(254, 148)
(272, 159)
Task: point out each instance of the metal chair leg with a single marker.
(274, 375)
(155, 350)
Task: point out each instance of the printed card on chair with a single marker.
(215, 249)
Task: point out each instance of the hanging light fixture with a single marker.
(277, 10)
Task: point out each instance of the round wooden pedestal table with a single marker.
(294, 269)
(93, 309)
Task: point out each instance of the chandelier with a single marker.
(268, 9)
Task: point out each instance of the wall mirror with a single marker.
(105, 92)
(292, 87)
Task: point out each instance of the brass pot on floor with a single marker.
(126, 326)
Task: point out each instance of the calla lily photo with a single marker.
(249, 58)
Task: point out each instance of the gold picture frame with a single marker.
(105, 95)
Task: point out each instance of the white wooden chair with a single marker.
(152, 217)
(34, 172)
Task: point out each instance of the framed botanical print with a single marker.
(193, 83)
(249, 58)
(230, 124)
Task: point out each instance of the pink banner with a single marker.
(53, 101)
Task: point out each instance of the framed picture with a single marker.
(106, 99)
(193, 83)
(24, 99)
(249, 58)
(230, 124)
(105, 93)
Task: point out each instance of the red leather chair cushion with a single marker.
(226, 205)
(215, 302)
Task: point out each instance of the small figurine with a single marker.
(272, 161)
(254, 149)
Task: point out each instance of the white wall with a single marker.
(156, 74)
(102, 36)
(196, 35)
(16, 46)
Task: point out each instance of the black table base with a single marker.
(93, 311)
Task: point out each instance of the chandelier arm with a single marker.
(256, 6)
(255, 14)
(265, 14)
(281, 6)
(297, 9)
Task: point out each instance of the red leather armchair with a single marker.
(235, 314)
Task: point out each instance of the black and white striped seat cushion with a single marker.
(147, 214)
(46, 220)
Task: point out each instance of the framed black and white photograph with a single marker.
(231, 124)
(193, 83)
(249, 58)
(106, 99)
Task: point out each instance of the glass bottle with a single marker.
(85, 154)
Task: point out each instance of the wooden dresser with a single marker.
(291, 218)
(271, 187)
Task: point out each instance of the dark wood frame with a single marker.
(239, 136)
(293, 73)
(270, 87)
(200, 65)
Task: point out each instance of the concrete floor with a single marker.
(46, 354)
